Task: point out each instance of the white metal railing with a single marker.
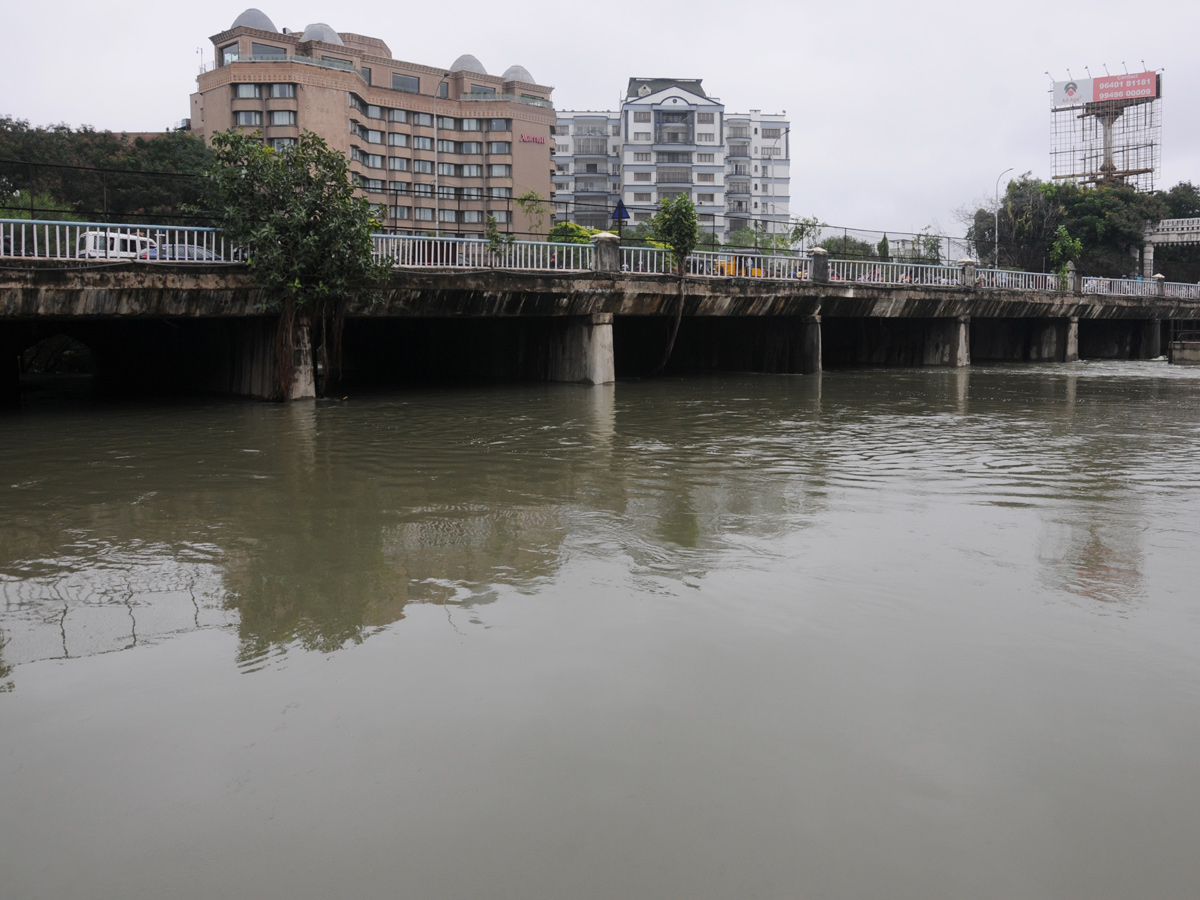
(1181, 291)
(416, 251)
(646, 259)
(1017, 281)
(747, 264)
(113, 242)
(1126, 287)
(893, 272)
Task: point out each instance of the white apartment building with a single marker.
(671, 138)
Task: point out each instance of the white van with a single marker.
(115, 245)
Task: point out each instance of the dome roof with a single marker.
(468, 63)
(518, 73)
(319, 31)
(254, 18)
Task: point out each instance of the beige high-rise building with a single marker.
(441, 148)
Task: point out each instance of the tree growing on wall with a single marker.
(307, 236)
(534, 208)
(676, 225)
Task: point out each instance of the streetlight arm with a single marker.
(996, 256)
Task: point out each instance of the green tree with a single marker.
(1064, 249)
(676, 225)
(842, 246)
(534, 208)
(308, 236)
(804, 230)
(882, 249)
(570, 233)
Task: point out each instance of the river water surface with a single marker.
(873, 634)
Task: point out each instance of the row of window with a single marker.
(445, 191)
(254, 118)
(444, 123)
(259, 91)
(646, 197)
(702, 137)
(426, 167)
(675, 175)
(465, 216)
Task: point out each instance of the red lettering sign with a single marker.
(532, 139)
(1126, 87)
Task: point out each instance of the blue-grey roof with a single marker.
(254, 18)
(468, 63)
(518, 73)
(319, 31)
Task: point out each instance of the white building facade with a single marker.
(671, 138)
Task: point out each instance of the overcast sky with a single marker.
(902, 113)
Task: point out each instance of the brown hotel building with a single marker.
(441, 148)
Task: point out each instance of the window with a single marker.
(443, 90)
(642, 197)
(424, 166)
(267, 50)
(283, 117)
(674, 158)
(641, 217)
(641, 176)
(469, 125)
(470, 170)
(500, 170)
(398, 187)
(705, 176)
(280, 143)
(500, 193)
(371, 136)
(422, 190)
(446, 123)
(485, 90)
(471, 193)
(641, 135)
(772, 151)
(705, 137)
(401, 212)
(641, 157)
(397, 115)
(398, 164)
(366, 74)
(229, 54)
(283, 91)
(373, 160)
(500, 125)
(704, 118)
(397, 140)
(410, 84)
(471, 216)
(425, 120)
(375, 185)
(641, 116)
(447, 215)
(470, 147)
(248, 117)
(374, 112)
(447, 192)
(499, 146)
(706, 198)
(705, 157)
(422, 143)
(502, 216)
(423, 214)
(772, 132)
(447, 169)
(246, 92)
(447, 147)
(616, 131)
(564, 128)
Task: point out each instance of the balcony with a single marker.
(674, 176)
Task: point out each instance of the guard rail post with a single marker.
(820, 265)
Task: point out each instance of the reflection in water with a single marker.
(314, 525)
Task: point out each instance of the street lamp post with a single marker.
(996, 258)
(774, 146)
(437, 200)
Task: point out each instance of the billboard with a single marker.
(1140, 86)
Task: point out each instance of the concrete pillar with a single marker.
(820, 265)
(810, 361)
(1152, 339)
(1136, 252)
(1046, 341)
(1148, 261)
(252, 371)
(607, 255)
(1160, 284)
(970, 277)
(581, 350)
(948, 342)
(1074, 279)
(1071, 344)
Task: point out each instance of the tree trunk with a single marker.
(658, 370)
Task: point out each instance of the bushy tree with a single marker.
(307, 235)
